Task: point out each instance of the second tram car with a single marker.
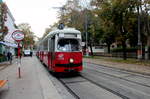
(61, 50)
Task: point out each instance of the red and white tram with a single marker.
(61, 50)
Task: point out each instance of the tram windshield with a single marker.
(68, 45)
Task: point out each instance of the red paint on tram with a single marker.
(59, 59)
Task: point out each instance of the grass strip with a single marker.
(120, 60)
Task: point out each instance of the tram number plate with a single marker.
(71, 70)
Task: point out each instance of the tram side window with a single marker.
(51, 44)
(68, 45)
(41, 47)
(45, 45)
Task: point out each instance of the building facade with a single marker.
(10, 24)
(7, 43)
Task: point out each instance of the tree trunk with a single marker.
(148, 40)
(148, 34)
(147, 48)
(108, 48)
(124, 50)
(123, 33)
(91, 49)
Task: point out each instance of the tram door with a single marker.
(52, 52)
(49, 53)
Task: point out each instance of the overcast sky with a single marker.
(38, 13)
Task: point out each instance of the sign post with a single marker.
(18, 36)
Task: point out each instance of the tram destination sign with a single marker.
(18, 35)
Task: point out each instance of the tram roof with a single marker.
(65, 30)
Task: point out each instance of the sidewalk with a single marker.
(33, 84)
(129, 67)
(3, 65)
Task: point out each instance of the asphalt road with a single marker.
(94, 82)
(84, 89)
(101, 82)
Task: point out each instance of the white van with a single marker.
(27, 53)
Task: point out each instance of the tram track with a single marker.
(117, 87)
(69, 89)
(144, 75)
(72, 85)
(111, 75)
(130, 73)
(66, 84)
(106, 88)
(127, 83)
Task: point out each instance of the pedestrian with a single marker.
(9, 57)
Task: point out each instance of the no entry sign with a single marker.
(18, 35)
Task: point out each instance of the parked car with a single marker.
(27, 53)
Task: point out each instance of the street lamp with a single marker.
(139, 52)
(86, 42)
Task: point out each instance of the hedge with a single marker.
(120, 49)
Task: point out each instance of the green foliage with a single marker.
(28, 40)
(3, 18)
(120, 49)
(109, 21)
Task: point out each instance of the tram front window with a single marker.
(67, 45)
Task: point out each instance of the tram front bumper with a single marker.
(68, 67)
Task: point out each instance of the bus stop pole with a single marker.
(18, 36)
(19, 61)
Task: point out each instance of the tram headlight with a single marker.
(71, 60)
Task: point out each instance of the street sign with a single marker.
(18, 35)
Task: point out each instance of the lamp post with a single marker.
(139, 51)
(86, 42)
